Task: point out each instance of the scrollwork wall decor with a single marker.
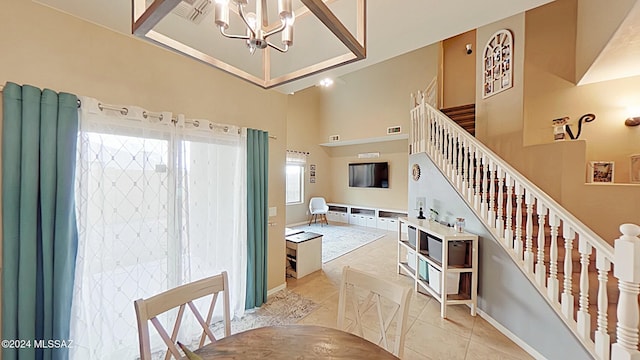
(497, 63)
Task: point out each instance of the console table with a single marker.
(304, 253)
(441, 261)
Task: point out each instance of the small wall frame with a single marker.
(634, 171)
(497, 65)
(601, 172)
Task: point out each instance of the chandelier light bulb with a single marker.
(287, 33)
(284, 9)
(252, 20)
(290, 19)
(221, 10)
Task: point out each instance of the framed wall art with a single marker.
(497, 65)
(601, 171)
(634, 173)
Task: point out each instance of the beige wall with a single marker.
(597, 21)
(46, 48)
(516, 123)
(499, 118)
(553, 56)
(551, 93)
(393, 198)
(364, 103)
(459, 70)
(303, 123)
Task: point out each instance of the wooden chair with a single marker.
(390, 298)
(181, 297)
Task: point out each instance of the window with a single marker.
(158, 205)
(296, 162)
(295, 183)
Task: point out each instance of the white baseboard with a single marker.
(297, 224)
(276, 289)
(506, 332)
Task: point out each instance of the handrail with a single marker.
(600, 243)
(481, 177)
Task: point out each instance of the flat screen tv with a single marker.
(371, 175)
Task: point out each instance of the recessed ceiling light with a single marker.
(326, 82)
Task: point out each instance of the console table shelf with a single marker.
(422, 251)
(386, 219)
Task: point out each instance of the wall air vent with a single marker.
(334, 138)
(394, 130)
(193, 10)
(368, 155)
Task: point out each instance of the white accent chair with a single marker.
(318, 206)
(180, 297)
(391, 301)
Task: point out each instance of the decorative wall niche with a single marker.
(497, 63)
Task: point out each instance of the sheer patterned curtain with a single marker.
(160, 202)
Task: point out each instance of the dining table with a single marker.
(293, 342)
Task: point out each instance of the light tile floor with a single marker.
(461, 336)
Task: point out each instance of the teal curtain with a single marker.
(257, 216)
(40, 237)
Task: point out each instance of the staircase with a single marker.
(568, 263)
(464, 115)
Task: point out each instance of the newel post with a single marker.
(627, 270)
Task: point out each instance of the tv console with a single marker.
(379, 218)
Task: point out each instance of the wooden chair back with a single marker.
(181, 297)
(391, 302)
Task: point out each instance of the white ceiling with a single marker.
(393, 27)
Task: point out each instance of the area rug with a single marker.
(340, 239)
(282, 308)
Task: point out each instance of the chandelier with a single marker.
(256, 36)
(316, 25)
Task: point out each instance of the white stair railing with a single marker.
(528, 223)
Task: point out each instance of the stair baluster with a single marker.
(473, 185)
(567, 294)
(541, 269)
(491, 177)
(517, 243)
(486, 172)
(602, 337)
(508, 229)
(449, 153)
(464, 168)
(477, 170)
(552, 282)
(499, 224)
(528, 248)
(584, 318)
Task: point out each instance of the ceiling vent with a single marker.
(334, 138)
(193, 10)
(394, 130)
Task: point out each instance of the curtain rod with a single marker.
(124, 111)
